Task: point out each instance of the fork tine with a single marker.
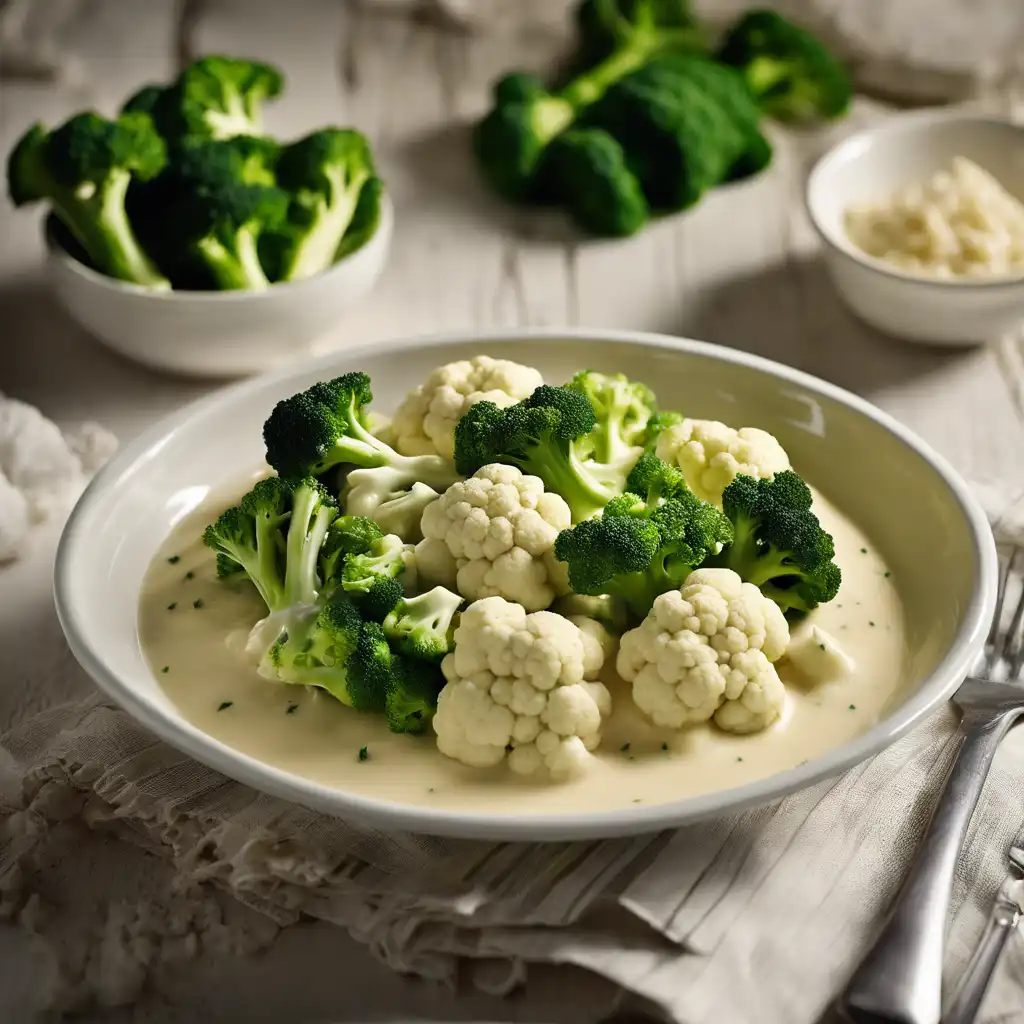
(991, 654)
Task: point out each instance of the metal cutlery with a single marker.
(900, 979)
(1007, 913)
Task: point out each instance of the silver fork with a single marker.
(900, 979)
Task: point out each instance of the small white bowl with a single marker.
(872, 164)
(219, 334)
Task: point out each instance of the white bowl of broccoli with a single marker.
(184, 237)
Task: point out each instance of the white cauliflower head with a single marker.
(515, 687)
(493, 535)
(425, 421)
(707, 651)
(711, 455)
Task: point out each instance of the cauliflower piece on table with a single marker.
(707, 651)
(493, 535)
(425, 421)
(711, 455)
(515, 688)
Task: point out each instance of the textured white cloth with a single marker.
(757, 916)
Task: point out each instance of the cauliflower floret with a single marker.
(493, 535)
(425, 421)
(817, 654)
(711, 455)
(706, 651)
(598, 644)
(515, 686)
(383, 495)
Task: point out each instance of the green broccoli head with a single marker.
(325, 174)
(641, 547)
(778, 543)
(412, 695)
(385, 557)
(370, 670)
(518, 87)
(510, 141)
(586, 170)
(273, 538)
(421, 627)
(658, 424)
(216, 98)
(789, 71)
(541, 435)
(325, 426)
(655, 480)
(314, 647)
(348, 535)
(83, 169)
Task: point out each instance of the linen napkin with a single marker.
(755, 916)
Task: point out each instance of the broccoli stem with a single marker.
(237, 266)
(99, 222)
(567, 476)
(318, 248)
(306, 534)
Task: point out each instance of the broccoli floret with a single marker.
(386, 557)
(325, 426)
(511, 140)
(365, 219)
(273, 537)
(789, 71)
(412, 694)
(623, 408)
(658, 424)
(641, 547)
(678, 138)
(83, 170)
(586, 170)
(216, 98)
(325, 174)
(348, 535)
(421, 627)
(778, 543)
(541, 435)
(656, 480)
(606, 25)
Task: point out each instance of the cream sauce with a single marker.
(193, 628)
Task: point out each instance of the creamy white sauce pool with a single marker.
(186, 613)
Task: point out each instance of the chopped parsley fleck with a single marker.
(172, 606)
(739, 758)
(863, 551)
(853, 707)
(624, 748)
(190, 575)
(822, 646)
(292, 708)
(430, 789)
(363, 753)
(166, 669)
(174, 560)
(664, 746)
(197, 603)
(870, 623)
(225, 704)
(637, 800)
(886, 574)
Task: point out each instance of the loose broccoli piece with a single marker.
(216, 98)
(586, 170)
(325, 426)
(541, 435)
(511, 140)
(421, 627)
(83, 169)
(778, 543)
(678, 138)
(641, 547)
(622, 407)
(788, 70)
(325, 174)
(273, 537)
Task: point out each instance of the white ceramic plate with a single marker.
(871, 467)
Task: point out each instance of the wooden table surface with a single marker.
(741, 270)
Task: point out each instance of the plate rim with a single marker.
(935, 690)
